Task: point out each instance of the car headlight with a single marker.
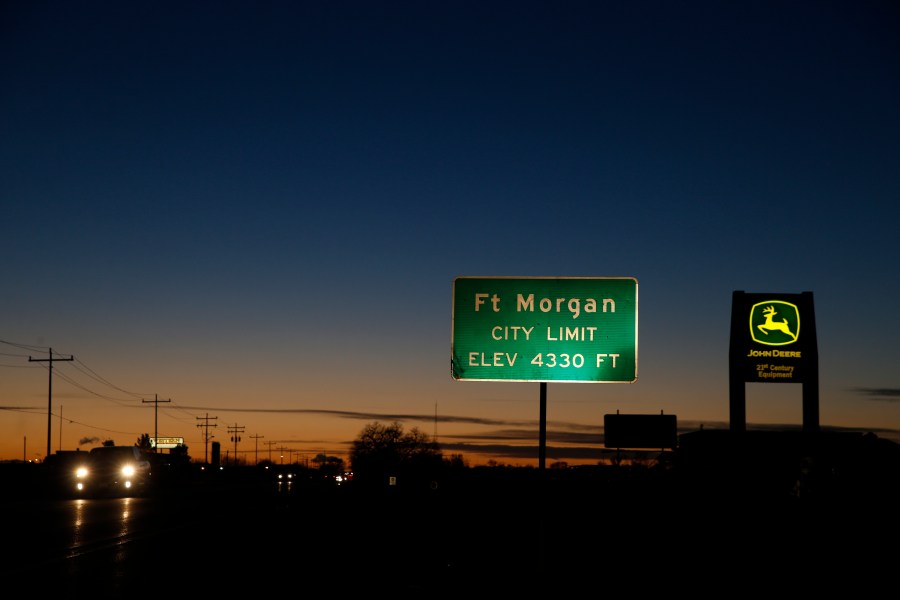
(128, 470)
(81, 472)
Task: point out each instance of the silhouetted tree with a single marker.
(456, 461)
(179, 455)
(143, 442)
(333, 465)
(383, 451)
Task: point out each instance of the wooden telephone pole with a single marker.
(49, 388)
(156, 401)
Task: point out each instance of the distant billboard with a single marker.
(570, 329)
(166, 442)
(640, 431)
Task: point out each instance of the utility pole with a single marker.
(49, 388)
(156, 401)
(205, 428)
(235, 438)
(269, 444)
(256, 437)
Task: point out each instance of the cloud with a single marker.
(880, 394)
(88, 440)
(499, 452)
(367, 416)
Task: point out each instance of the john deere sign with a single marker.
(573, 329)
(773, 337)
(773, 340)
(774, 323)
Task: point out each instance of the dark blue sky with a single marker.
(248, 205)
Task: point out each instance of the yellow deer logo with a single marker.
(772, 325)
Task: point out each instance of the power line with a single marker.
(96, 377)
(23, 346)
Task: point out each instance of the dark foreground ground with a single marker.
(711, 526)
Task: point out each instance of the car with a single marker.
(114, 471)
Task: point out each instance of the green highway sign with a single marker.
(567, 329)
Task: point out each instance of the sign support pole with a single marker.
(542, 450)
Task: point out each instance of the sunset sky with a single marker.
(255, 212)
